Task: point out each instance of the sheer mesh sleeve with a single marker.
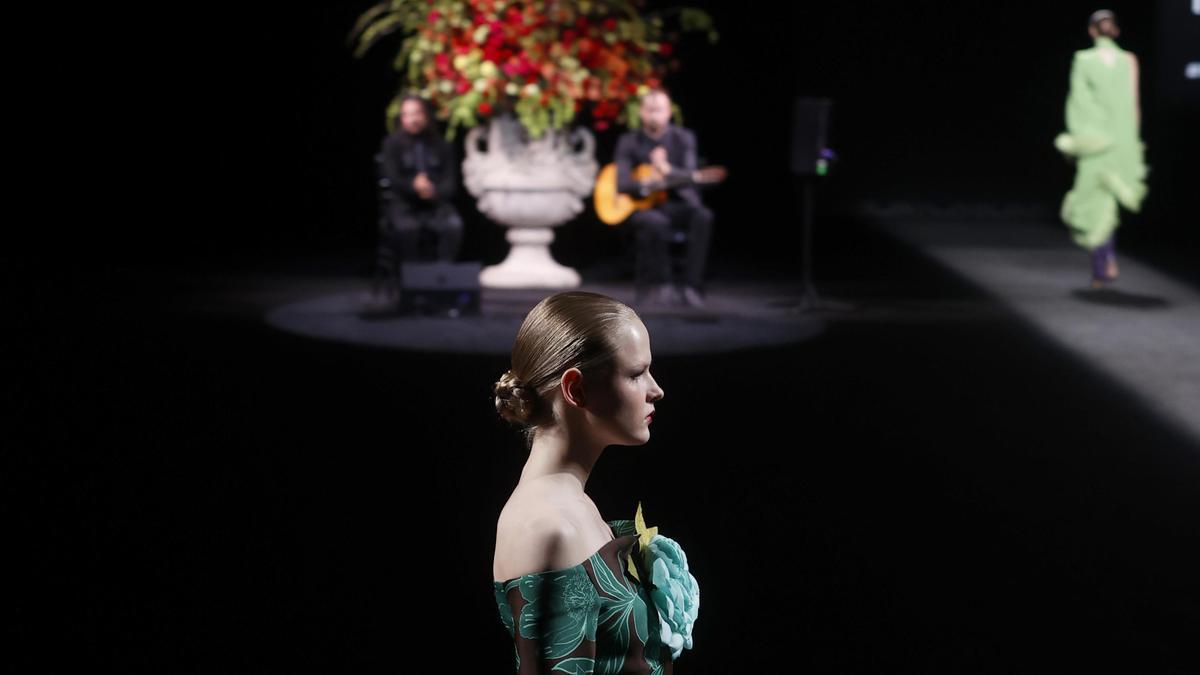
(552, 618)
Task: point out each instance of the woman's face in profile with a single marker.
(626, 396)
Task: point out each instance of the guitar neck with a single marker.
(677, 181)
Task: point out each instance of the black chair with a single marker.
(388, 256)
(677, 249)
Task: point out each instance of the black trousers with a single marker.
(654, 230)
(400, 238)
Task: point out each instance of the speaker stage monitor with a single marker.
(440, 287)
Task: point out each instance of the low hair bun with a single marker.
(515, 401)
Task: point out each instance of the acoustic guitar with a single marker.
(614, 207)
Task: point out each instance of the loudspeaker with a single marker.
(440, 287)
(810, 132)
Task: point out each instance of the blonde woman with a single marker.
(577, 593)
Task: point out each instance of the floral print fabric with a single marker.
(592, 618)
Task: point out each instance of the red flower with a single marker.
(433, 16)
(666, 49)
(485, 108)
(600, 125)
(463, 87)
(610, 24)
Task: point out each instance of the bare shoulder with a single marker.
(531, 520)
(532, 536)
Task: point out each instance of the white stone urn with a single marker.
(530, 186)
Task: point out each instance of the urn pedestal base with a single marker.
(529, 263)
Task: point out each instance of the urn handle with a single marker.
(583, 143)
(476, 142)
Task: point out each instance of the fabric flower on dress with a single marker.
(673, 589)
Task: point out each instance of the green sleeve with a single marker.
(556, 623)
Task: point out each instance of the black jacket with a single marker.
(402, 159)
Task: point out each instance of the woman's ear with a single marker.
(571, 385)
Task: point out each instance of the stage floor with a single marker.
(1143, 331)
(962, 490)
(736, 316)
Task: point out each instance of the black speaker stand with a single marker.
(810, 300)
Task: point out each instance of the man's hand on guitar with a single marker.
(613, 207)
(658, 159)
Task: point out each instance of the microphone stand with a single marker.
(810, 300)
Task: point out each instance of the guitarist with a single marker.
(671, 150)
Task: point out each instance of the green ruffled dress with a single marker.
(1102, 135)
(591, 618)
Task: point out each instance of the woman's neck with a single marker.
(555, 453)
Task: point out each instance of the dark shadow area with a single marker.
(1115, 297)
(941, 494)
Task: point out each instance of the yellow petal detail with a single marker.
(645, 534)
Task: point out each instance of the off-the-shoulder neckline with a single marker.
(611, 527)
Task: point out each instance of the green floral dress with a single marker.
(592, 618)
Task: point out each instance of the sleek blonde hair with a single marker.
(572, 329)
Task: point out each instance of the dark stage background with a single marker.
(903, 496)
(936, 103)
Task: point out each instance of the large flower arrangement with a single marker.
(543, 60)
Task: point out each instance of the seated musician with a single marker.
(671, 150)
(420, 167)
